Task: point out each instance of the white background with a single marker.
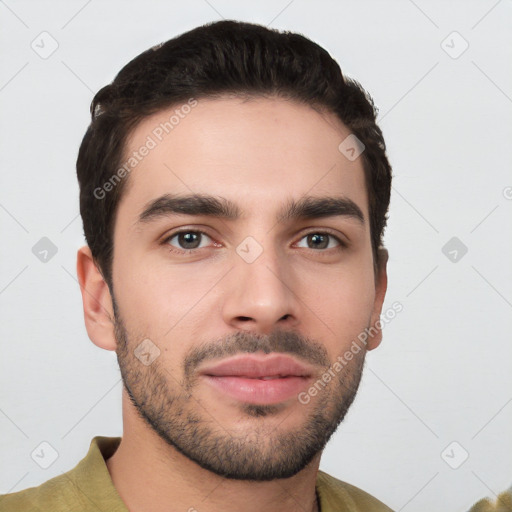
(443, 372)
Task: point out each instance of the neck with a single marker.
(145, 469)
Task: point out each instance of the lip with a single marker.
(259, 366)
(267, 379)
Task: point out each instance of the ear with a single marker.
(97, 301)
(381, 285)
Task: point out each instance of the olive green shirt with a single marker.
(88, 487)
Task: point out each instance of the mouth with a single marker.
(268, 379)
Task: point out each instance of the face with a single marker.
(232, 306)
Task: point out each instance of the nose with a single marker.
(259, 296)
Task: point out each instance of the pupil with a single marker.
(318, 238)
(189, 238)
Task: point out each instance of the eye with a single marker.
(320, 240)
(187, 240)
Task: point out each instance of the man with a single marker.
(234, 188)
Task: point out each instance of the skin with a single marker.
(243, 151)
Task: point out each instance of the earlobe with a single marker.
(381, 284)
(97, 301)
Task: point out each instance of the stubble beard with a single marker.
(262, 452)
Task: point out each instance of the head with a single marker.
(235, 134)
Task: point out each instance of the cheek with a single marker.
(161, 298)
(341, 303)
(155, 307)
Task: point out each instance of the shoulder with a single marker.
(86, 487)
(334, 493)
(57, 494)
(503, 503)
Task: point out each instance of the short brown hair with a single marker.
(225, 57)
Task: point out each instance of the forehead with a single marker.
(259, 153)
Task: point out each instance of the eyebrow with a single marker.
(215, 206)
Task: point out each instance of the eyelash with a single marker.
(342, 244)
